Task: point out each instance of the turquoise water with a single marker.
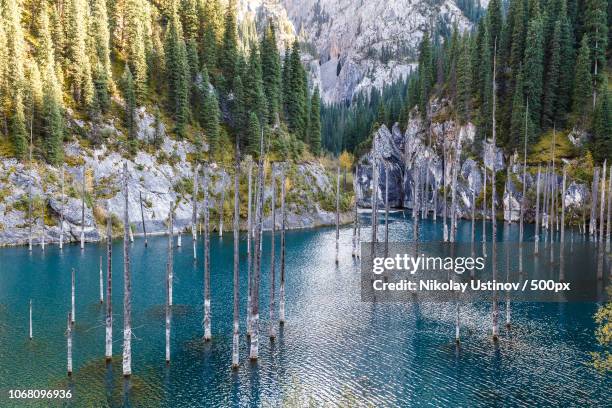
(334, 349)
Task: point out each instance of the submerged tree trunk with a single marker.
(415, 203)
(127, 285)
(30, 319)
(495, 312)
(194, 215)
(537, 214)
(167, 311)
(374, 203)
(484, 211)
(69, 344)
(101, 282)
(170, 252)
(83, 211)
(207, 311)
(144, 226)
(249, 249)
(72, 297)
(562, 238)
(337, 215)
(254, 351)
(386, 210)
(61, 237)
(108, 353)
(236, 311)
(602, 206)
(608, 218)
(272, 323)
(281, 300)
(221, 212)
(593, 219)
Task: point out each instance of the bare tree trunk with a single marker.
(495, 312)
(109, 285)
(42, 239)
(553, 199)
(386, 210)
(254, 351)
(249, 250)
(72, 297)
(273, 323)
(30, 215)
(207, 311)
(523, 201)
(61, 237)
(170, 252)
(484, 211)
(30, 319)
(602, 206)
(608, 219)
(562, 238)
(127, 284)
(444, 211)
(281, 299)
(337, 215)
(473, 229)
(593, 219)
(453, 230)
(168, 317)
(194, 215)
(415, 203)
(537, 214)
(101, 282)
(69, 344)
(236, 325)
(354, 241)
(374, 204)
(144, 226)
(83, 211)
(221, 212)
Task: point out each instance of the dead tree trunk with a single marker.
(273, 323)
(249, 249)
(374, 204)
(83, 211)
(221, 212)
(69, 344)
(281, 299)
(61, 237)
(127, 284)
(194, 215)
(236, 314)
(42, 219)
(453, 231)
(537, 215)
(495, 312)
(109, 285)
(415, 203)
(72, 297)
(444, 214)
(30, 213)
(386, 210)
(254, 351)
(484, 211)
(30, 319)
(144, 226)
(562, 238)
(170, 252)
(337, 215)
(167, 310)
(602, 206)
(521, 222)
(101, 282)
(608, 218)
(593, 218)
(207, 311)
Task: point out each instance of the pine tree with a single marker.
(602, 128)
(494, 23)
(100, 38)
(297, 97)
(314, 123)
(254, 96)
(189, 18)
(229, 48)
(77, 64)
(566, 71)
(177, 69)
(551, 82)
(533, 69)
(211, 25)
(210, 115)
(53, 120)
(425, 73)
(286, 82)
(517, 122)
(582, 81)
(464, 81)
(135, 46)
(129, 95)
(596, 27)
(253, 135)
(271, 72)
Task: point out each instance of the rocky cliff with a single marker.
(447, 146)
(164, 178)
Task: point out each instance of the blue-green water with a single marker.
(334, 349)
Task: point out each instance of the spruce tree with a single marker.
(229, 48)
(533, 69)
(271, 71)
(77, 64)
(551, 82)
(566, 71)
(464, 81)
(135, 46)
(254, 96)
(53, 121)
(210, 115)
(314, 123)
(189, 18)
(517, 122)
(177, 69)
(286, 82)
(100, 37)
(297, 97)
(253, 134)
(425, 73)
(596, 27)
(602, 127)
(129, 96)
(582, 81)
(211, 26)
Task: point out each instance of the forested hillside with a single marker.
(188, 61)
(551, 66)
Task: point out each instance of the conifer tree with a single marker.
(533, 69)
(582, 81)
(314, 123)
(129, 95)
(602, 127)
(210, 114)
(426, 78)
(254, 96)
(77, 64)
(566, 71)
(297, 102)
(596, 27)
(517, 122)
(464, 81)
(177, 70)
(100, 38)
(211, 26)
(271, 72)
(53, 121)
(253, 134)
(135, 46)
(229, 48)
(286, 82)
(551, 82)
(189, 18)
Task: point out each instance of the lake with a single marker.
(333, 350)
